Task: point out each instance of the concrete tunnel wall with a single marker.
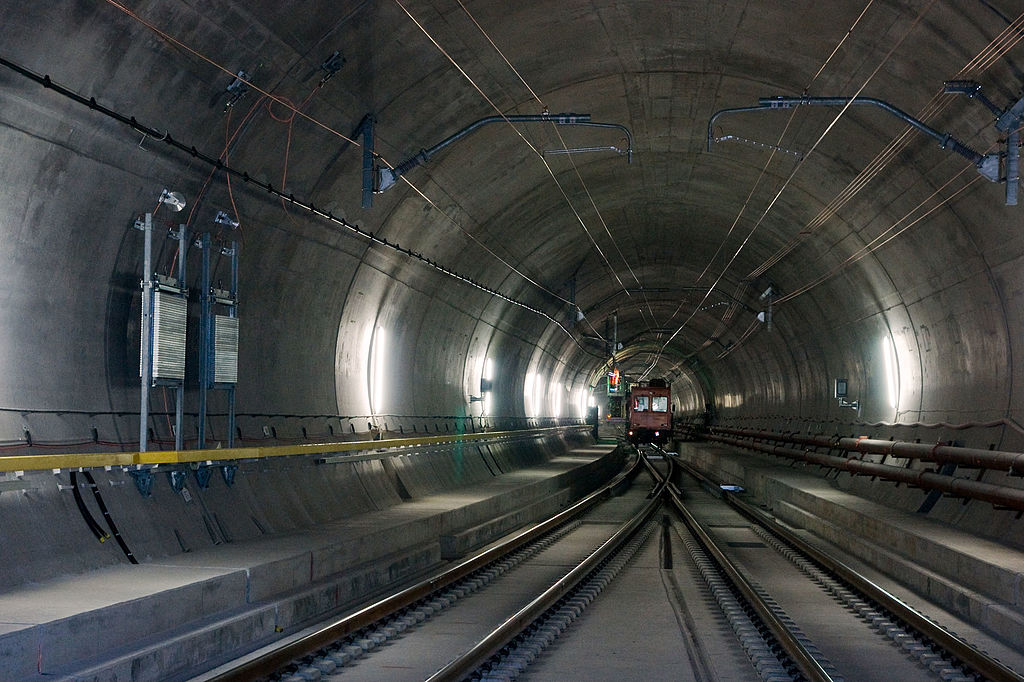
(947, 290)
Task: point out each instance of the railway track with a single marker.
(385, 637)
(803, 614)
(795, 613)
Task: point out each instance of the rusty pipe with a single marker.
(1001, 460)
(998, 495)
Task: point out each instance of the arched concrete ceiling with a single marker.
(863, 242)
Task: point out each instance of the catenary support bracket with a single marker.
(1008, 121)
(987, 164)
(387, 177)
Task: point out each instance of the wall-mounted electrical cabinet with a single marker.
(169, 321)
(225, 349)
(841, 387)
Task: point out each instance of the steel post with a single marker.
(205, 329)
(146, 354)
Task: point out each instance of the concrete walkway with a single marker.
(977, 579)
(166, 617)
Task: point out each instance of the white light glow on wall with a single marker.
(528, 394)
(487, 374)
(732, 400)
(582, 397)
(892, 371)
(555, 391)
(377, 360)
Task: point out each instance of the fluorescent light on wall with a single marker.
(377, 391)
(892, 371)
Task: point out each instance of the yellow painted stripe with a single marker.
(44, 462)
(102, 459)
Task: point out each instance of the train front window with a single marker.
(640, 403)
(659, 403)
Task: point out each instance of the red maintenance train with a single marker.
(650, 413)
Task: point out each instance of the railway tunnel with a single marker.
(443, 224)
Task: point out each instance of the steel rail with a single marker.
(465, 664)
(984, 665)
(153, 457)
(272, 661)
(789, 643)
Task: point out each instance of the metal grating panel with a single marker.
(170, 317)
(225, 349)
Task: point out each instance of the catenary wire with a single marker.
(165, 137)
(579, 218)
(295, 111)
(801, 162)
(572, 161)
(785, 184)
(981, 62)
(767, 164)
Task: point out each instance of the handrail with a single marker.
(999, 496)
(21, 463)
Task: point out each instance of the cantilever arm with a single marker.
(987, 164)
(387, 177)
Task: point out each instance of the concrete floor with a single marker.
(421, 651)
(968, 583)
(162, 617)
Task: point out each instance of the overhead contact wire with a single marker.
(130, 121)
(572, 161)
(810, 151)
(295, 111)
(469, 78)
(750, 195)
(799, 164)
(995, 50)
(771, 157)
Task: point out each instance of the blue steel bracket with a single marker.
(203, 474)
(1009, 122)
(177, 478)
(388, 177)
(228, 472)
(143, 481)
(331, 66)
(987, 165)
(365, 129)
